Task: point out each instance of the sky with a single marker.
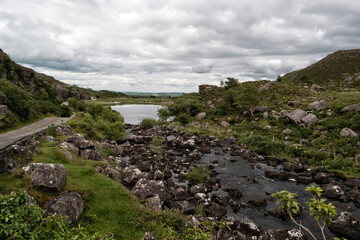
(173, 45)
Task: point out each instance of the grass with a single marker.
(109, 207)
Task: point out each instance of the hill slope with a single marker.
(341, 68)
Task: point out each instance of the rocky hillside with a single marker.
(341, 68)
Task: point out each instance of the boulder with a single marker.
(46, 175)
(347, 132)
(296, 115)
(3, 110)
(180, 194)
(70, 147)
(334, 192)
(309, 119)
(184, 206)
(145, 189)
(261, 109)
(92, 154)
(80, 141)
(199, 188)
(154, 203)
(247, 228)
(67, 154)
(7, 163)
(320, 105)
(64, 130)
(294, 103)
(3, 98)
(215, 210)
(286, 131)
(346, 225)
(315, 88)
(354, 108)
(266, 87)
(280, 234)
(69, 204)
(112, 173)
(132, 175)
(201, 116)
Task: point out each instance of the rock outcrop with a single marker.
(346, 225)
(354, 108)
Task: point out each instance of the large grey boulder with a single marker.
(318, 105)
(354, 107)
(296, 115)
(146, 189)
(266, 87)
(91, 154)
(3, 110)
(80, 141)
(3, 98)
(70, 147)
(347, 132)
(315, 88)
(69, 204)
(309, 119)
(47, 176)
(346, 225)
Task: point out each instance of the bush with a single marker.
(65, 111)
(19, 220)
(51, 130)
(72, 102)
(148, 123)
(183, 118)
(198, 174)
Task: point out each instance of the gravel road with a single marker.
(9, 138)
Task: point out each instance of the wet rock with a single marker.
(334, 192)
(180, 194)
(258, 202)
(347, 132)
(228, 141)
(80, 141)
(279, 175)
(215, 210)
(145, 189)
(353, 182)
(320, 105)
(69, 204)
(47, 176)
(282, 214)
(234, 206)
(201, 116)
(323, 178)
(233, 193)
(247, 228)
(184, 206)
(199, 188)
(346, 225)
(296, 167)
(354, 107)
(281, 234)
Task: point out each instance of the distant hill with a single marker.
(150, 94)
(341, 68)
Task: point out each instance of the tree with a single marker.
(279, 78)
(230, 82)
(248, 98)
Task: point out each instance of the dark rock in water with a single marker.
(355, 196)
(180, 194)
(184, 206)
(233, 193)
(281, 234)
(353, 182)
(234, 206)
(279, 175)
(199, 188)
(247, 228)
(47, 176)
(69, 204)
(346, 225)
(282, 214)
(216, 198)
(323, 178)
(334, 192)
(215, 210)
(258, 202)
(296, 167)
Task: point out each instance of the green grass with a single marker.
(109, 207)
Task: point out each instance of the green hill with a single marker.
(341, 68)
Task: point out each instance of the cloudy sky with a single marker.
(173, 45)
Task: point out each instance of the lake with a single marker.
(134, 113)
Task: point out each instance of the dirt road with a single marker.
(9, 138)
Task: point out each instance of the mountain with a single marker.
(341, 68)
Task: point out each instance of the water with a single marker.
(134, 113)
(236, 172)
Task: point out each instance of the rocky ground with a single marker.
(158, 173)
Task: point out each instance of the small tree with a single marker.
(248, 98)
(279, 78)
(322, 212)
(230, 82)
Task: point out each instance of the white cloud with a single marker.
(173, 45)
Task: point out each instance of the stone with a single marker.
(281, 234)
(67, 154)
(46, 175)
(334, 192)
(70, 147)
(201, 116)
(199, 188)
(320, 105)
(7, 163)
(184, 206)
(112, 173)
(261, 109)
(286, 131)
(180, 194)
(267, 127)
(215, 210)
(69, 204)
(248, 228)
(315, 88)
(353, 182)
(265, 115)
(3, 110)
(64, 130)
(258, 202)
(50, 139)
(346, 225)
(80, 141)
(266, 87)
(227, 141)
(155, 203)
(145, 189)
(354, 108)
(92, 154)
(224, 124)
(148, 236)
(296, 115)
(347, 132)
(309, 119)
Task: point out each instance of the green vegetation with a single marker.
(156, 144)
(198, 174)
(21, 220)
(148, 123)
(323, 212)
(96, 121)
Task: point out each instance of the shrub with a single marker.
(183, 118)
(148, 123)
(65, 111)
(72, 102)
(51, 130)
(198, 174)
